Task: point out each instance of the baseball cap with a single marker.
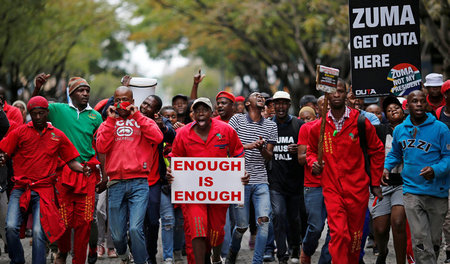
(203, 100)
(182, 96)
(281, 95)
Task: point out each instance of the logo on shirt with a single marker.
(92, 116)
(418, 144)
(124, 131)
(55, 137)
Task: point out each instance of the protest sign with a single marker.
(385, 51)
(326, 81)
(208, 180)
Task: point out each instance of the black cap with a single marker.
(390, 100)
(182, 96)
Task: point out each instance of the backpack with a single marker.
(361, 124)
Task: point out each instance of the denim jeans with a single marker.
(172, 232)
(126, 201)
(14, 220)
(317, 214)
(152, 221)
(229, 226)
(286, 218)
(259, 194)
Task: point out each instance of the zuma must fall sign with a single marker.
(208, 180)
(385, 51)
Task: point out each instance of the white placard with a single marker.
(208, 180)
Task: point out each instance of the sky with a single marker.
(140, 63)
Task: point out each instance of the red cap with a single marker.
(226, 95)
(240, 99)
(445, 87)
(37, 101)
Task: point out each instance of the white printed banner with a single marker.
(208, 180)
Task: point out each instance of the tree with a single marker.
(63, 38)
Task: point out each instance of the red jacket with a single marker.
(344, 170)
(129, 145)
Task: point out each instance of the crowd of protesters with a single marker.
(96, 182)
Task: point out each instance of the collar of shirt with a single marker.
(442, 103)
(49, 126)
(87, 108)
(339, 123)
(251, 121)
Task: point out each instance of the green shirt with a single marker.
(78, 126)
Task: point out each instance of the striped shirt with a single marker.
(248, 132)
(340, 123)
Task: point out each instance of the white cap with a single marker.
(281, 95)
(434, 79)
(204, 100)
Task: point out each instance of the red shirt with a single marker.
(14, 116)
(222, 141)
(219, 118)
(310, 179)
(35, 156)
(442, 103)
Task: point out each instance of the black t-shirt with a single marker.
(285, 173)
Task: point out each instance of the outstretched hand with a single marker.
(199, 77)
(41, 79)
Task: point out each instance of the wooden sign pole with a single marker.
(322, 129)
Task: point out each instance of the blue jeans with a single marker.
(259, 194)
(152, 221)
(14, 220)
(229, 226)
(126, 200)
(317, 214)
(172, 232)
(286, 218)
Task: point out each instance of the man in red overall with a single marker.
(205, 137)
(344, 180)
(34, 148)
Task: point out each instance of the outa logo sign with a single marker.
(365, 92)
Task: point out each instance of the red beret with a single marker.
(37, 101)
(445, 87)
(240, 99)
(226, 95)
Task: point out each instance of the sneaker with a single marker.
(370, 243)
(231, 258)
(304, 259)
(295, 256)
(177, 256)
(112, 253)
(61, 258)
(381, 259)
(126, 260)
(269, 257)
(168, 261)
(251, 242)
(447, 259)
(92, 255)
(375, 250)
(100, 251)
(283, 261)
(217, 262)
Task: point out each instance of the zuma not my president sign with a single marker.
(385, 52)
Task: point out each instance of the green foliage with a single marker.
(61, 37)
